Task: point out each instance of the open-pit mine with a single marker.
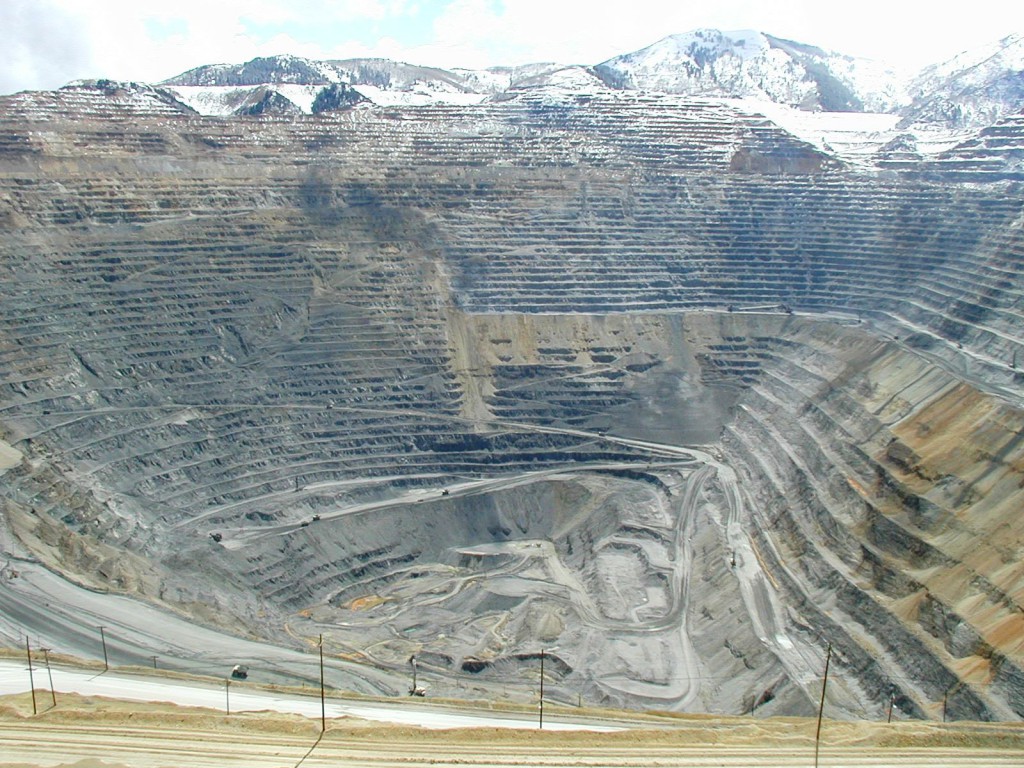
(640, 388)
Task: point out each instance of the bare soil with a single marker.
(91, 732)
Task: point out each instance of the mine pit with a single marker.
(644, 379)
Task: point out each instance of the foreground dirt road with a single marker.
(84, 732)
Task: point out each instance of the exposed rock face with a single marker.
(643, 378)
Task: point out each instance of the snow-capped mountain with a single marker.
(962, 95)
(291, 83)
(494, 80)
(225, 89)
(751, 64)
(972, 90)
(702, 63)
(261, 71)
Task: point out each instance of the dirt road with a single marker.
(84, 732)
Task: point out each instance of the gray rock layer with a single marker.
(643, 379)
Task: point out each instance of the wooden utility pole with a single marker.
(541, 722)
(323, 709)
(953, 689)
(31, 678)
(103, 639)
(49, 674)
(821, 706)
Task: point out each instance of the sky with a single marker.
(47, 43)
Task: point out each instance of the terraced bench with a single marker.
(250, 322)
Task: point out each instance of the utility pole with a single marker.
(227, 696)
(323, 710)
(106, 661)
(31, 679)
(49, 673)
(154, 658)
(821, 707)
(892, 697)
(945, 698)
(541, 722)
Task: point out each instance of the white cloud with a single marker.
(578, 31)
(49, 42)
(909, 32)
(43, 46)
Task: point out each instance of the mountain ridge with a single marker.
(972, 90)
(976, 87)
(748, 63)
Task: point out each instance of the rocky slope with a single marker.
(972, 90)
(746, 63)
(639, 379)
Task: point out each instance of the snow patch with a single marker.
(421, 95)
(855, 137)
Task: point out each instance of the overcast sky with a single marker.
(47, 43)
